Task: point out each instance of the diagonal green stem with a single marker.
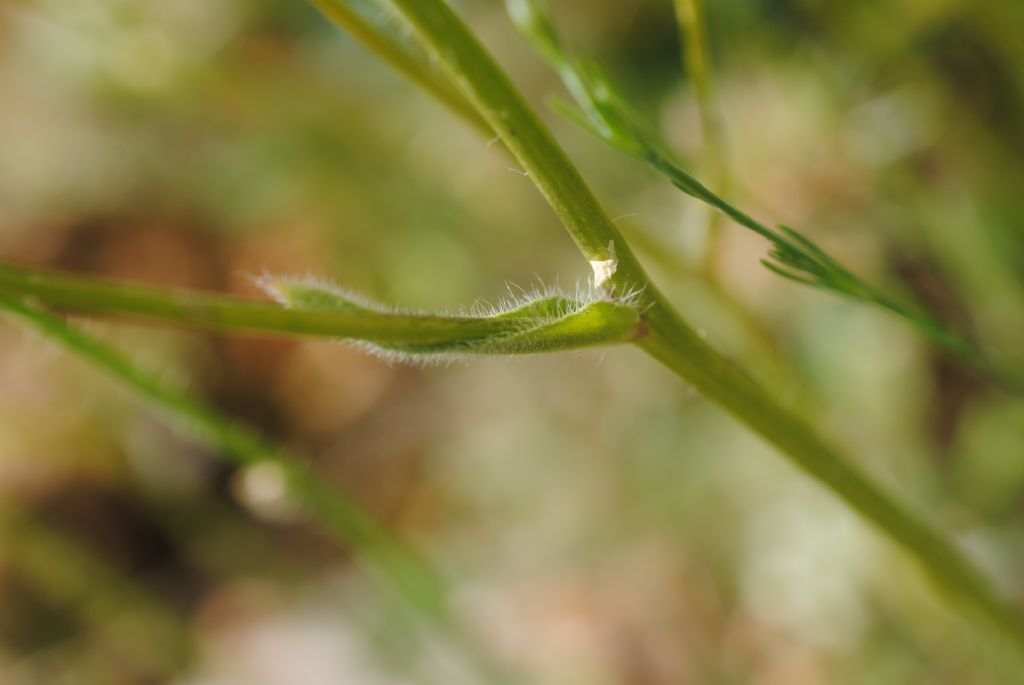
(670, 339)
(372, 37)
(341, 515)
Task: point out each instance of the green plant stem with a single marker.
(348, 20)
(600, 322)
(845, 283)
(195, 309)
(697, 63)
(670, 339)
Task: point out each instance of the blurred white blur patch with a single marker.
(263, 490)
(806, 564)
(300, 646)
(333, 629)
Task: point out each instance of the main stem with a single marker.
(670, 340)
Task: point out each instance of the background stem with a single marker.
(696, 57)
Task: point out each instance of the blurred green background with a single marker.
(600, 523)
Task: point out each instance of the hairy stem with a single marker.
(597, 323)
(670, 339)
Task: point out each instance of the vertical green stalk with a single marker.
(669, 338)
(696, 57)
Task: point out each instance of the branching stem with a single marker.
(670, 339)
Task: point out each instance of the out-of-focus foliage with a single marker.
(599, 523)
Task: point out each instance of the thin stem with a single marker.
(787, 241)
(324, 312)
(670, 339)
(697, 63)
(195, 309)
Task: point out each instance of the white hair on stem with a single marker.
(289, 291)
